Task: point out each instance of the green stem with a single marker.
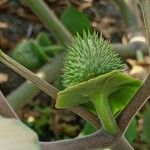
(122, 144)
(27, 74)
(126, 13)
(104, 113)
(145, 5)
(50, 21)
(53, 49)
(27, 91)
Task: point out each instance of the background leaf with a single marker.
(131, 132)
(88, 129)
(75, 21)
(146, 125)
(43, 40)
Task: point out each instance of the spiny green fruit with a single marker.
(29, 54)
(89, 57)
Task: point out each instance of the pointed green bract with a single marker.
(88, 58)
(116, 86)
(75, 21)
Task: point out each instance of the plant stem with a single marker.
(50, 21)
(121, 144)
(27, 74)
(127, 14)
(145, 5)
(129, 50)
(53, 49)
(104, 113)
(134, 105)
(5, 108)
(27, 91)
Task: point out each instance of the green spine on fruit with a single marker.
(89, 57)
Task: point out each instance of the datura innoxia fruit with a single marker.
(88, 58)
(93, 77)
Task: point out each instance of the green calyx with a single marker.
(89, 57)
(108, 94)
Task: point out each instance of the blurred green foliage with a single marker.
(33, 53)
(75, 21)
(131, 132)
(146, 125)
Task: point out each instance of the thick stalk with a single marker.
(27, 91)
(145, 5)
(48, 18)
(104, 113)
(5, 108)
(121, 144)
(53, 49)
(126, 13)
(27, 74)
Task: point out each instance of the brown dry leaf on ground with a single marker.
(139, 69)
(3, 2)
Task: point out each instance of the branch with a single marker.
(129, 50)
(50, 21)
(99, 139)
(145, 5)
(126, 13)
(121, 144)
(135, 104)
(132, 5)
(5, 108)
(27, 91)
(27, 74)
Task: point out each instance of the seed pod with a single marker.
(88, 58)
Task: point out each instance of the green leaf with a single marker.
(116, 86)
(75, 21)
(43, 40)
(146, 125)
(131, 132)
(88, 129)
(14, 135)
